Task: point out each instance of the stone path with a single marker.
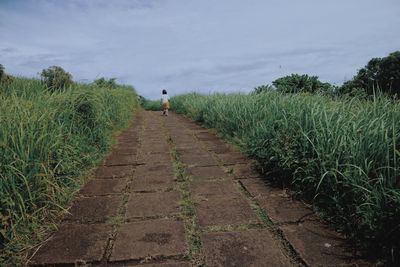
(173, 194)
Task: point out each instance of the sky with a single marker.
(204, 46)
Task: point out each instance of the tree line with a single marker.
(380, 75)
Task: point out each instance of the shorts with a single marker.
(165, 105)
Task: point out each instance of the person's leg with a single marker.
(166, 112)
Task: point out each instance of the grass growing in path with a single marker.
(188, 211)
(48, 141)
(342, 155)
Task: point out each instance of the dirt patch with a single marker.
(101, 187)
(225, 211)
(73, 243)
(94, 209)
(113, 171)
(247, 248)
(152, 204)
(155, 238)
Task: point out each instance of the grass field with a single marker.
(341, 155)
(48, 143)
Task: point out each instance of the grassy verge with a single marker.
(153, 105)
(342, 155)
(48, 143)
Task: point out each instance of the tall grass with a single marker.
(47, 143)
(341, 155)
(153, 105)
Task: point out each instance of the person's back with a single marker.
(164, 98)
(165, 102)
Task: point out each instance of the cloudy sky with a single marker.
(196, 45)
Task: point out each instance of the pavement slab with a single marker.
(74, 243)
(152, 204)
(120, 160)
(101, 187)
(154, 238)
(243, 171)
(318, 245)
(93, 209)
(210, 190)
(191, 159)
(232, 211)
(155, 158)
(154, 170)
(246, 248)
(113, 171)
(159, 182)
(207, 173)
(233, 158)
(159, 264)
(277, 203)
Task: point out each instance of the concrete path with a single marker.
(173, 194)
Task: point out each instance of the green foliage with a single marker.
(56, 78)
(263, 89)
(47, 144)
(380, 74)
(103, 82)
(296, 83)
(150, 104)
(340, 154)
(2, 71)
(4, 77)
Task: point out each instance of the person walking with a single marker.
(165, 102)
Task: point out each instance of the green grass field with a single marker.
(341, 155)
(48, 143)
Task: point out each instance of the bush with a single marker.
(56, 78)
(296, 83)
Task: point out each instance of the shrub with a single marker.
(56, 78)
(296, 83)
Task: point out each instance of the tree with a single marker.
(296, 83)
(56, 78)
(2, 73)
(380, 74)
